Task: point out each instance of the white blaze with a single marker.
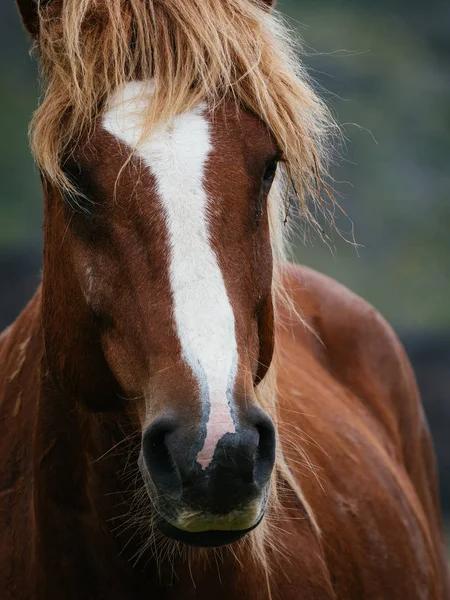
(176, 154)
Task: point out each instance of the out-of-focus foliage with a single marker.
(384, 69)
(20, 195)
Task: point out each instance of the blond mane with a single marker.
(196, 51)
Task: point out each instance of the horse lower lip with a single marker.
(205, 539)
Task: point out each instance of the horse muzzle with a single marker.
(216, 505)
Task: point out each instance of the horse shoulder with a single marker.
(360, 349)
(20, 344)
(20, 351)
(347, 338)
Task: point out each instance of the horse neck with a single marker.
(79, 499)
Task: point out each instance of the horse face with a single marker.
(172, 254)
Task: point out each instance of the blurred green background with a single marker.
(384, 69)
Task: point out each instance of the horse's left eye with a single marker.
(269, 174)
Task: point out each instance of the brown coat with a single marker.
(347, 393)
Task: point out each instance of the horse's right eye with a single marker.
(81, 198)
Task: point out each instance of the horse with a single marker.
(184, 414)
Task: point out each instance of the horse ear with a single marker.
(30, 15)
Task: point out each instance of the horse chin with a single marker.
(204, 539)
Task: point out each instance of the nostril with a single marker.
(158, 460)
(265, 459)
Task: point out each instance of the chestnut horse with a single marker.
(183, 415)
